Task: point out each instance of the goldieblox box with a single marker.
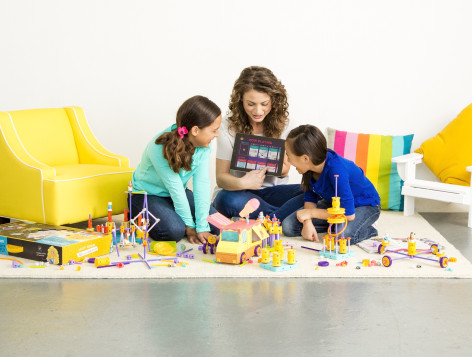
(54, 244)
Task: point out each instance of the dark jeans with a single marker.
(170, 226)
(359, 229)
(281, 200)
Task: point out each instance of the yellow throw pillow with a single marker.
(450, 151)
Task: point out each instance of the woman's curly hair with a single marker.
(262, 80)
(196, 111)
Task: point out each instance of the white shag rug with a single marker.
(393, 223)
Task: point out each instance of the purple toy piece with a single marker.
(317, 250)
(14, 264)
(191, 256)
(323, 263)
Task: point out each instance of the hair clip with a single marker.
(182, 130)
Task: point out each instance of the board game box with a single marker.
(54, 244)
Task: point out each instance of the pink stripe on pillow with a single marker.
(350, 147)
(339, 142)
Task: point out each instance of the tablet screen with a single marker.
(253, 152)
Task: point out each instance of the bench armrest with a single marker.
(413, 158)
(406, 165)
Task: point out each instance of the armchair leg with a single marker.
(7, 220)
(408, 206)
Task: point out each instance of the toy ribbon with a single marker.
(182, 130)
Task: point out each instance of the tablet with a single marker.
(253, 152)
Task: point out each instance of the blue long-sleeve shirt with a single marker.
(155, 176)
(354, 188)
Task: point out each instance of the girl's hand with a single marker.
(203, 237)
(191, 234)
(253, 179)
(303, 215)
(309, 231)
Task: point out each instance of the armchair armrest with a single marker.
(14, 155)
(89, 149)
(406, 165)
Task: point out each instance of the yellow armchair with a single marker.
(53, 170)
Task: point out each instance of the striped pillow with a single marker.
(373, 154)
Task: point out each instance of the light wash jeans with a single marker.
(170, 226)
(281, 200)
(359, 229)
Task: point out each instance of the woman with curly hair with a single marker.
(258, 106)
(169, 161)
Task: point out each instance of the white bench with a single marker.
(413, 187)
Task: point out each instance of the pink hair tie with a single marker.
(182, 130)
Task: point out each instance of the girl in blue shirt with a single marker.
(175, 155)
(307, 150)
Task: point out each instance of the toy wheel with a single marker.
(443, 261)
(205, 248)
(257, 250)
(212, 249)
(386, 261)
(211, 239)
(243, 258)
(434, 249)
(381, 249)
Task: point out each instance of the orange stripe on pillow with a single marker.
(362, 150)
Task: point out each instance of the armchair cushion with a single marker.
(449, 152)
(373, 153)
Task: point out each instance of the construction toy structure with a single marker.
(411, 252)
(335, 245)
(210, 245)
(273, 228)
(278, 263)
(133, 230)
(238, 240)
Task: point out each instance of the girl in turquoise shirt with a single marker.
(175, 155)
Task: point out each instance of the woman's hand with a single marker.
(303, 215)
(254, 179)
(309, 231)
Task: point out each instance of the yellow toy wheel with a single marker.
(211, 239)
(443, 262)
(386, 261)
(257, 250)
(434, 249)
(381, 249)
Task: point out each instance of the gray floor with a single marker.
(281, 317)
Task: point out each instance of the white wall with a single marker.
(386, 67)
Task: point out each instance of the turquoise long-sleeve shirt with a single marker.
(155, 176)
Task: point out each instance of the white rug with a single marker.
(394, 223)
